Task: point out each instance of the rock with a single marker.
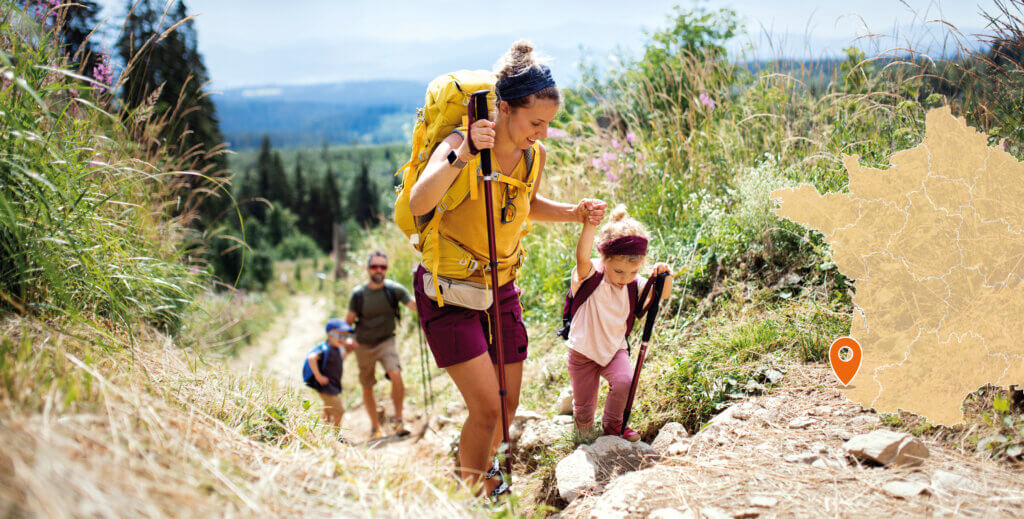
(672, 436)
(764, 501)
(590, 467)
(802, 422)
(887, 448)
(575, 474)
(714, 513)
(671, 513)
(904, 489)
(454, 408)
(538, 434)
(515, 431)
(562, 419)
(564, 403)
(773, 376)
(636, 493)
(822, 410)
(952, 483)
(807, 457)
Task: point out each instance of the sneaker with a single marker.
(398, 427)
(376, 434)
(629, 434)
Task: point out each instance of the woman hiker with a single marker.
(459, 338)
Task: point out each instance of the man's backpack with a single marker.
(389, 293)
(589, 285)
(445, 110)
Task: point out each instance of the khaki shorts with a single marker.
(332, 407)
(368, 356)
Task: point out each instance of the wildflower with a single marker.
(102, 72)
(556, 133)
(616, 144)
(630, 138)
(609, 157)
(597, 163)
(610, 176)
(706, 100)
(193, 270)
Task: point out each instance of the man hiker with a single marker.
(374, 310)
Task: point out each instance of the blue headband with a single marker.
(529, 81)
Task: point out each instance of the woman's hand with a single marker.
(589, 210)
(482, 133)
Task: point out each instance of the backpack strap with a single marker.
(357, 298)
(389, 293)
(634, 301)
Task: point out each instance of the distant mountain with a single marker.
(364, 112)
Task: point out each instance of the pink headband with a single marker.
(624, 246)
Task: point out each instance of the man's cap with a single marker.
(340, 324)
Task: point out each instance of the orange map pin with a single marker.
(845, 370)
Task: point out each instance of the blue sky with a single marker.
(265, 42)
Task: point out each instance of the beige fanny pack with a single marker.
(467, 294)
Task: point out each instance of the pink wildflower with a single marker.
(631, 138)
(597, 163)
(706, 100)
(616, 144)
(556, 133)
(609, 157)
(102, 72)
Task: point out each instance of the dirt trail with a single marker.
(280, 352)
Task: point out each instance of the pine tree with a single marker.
(78, 19)
(168, 65)
(280, 189)
(363, 198)
(264, 167)
(300, 196)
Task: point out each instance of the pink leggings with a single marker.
(584, 374)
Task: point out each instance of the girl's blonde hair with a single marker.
(621, 224)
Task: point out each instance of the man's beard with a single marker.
(377, 278)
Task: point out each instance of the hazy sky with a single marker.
(261, 42)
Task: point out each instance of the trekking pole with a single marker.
(428, 393)
(652, 312)
(478, 110)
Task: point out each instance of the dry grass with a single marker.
(158, 432)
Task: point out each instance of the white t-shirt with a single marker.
(598, 329)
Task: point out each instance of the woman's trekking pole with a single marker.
(652, 313)
(478, 110)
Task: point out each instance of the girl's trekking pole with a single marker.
(478, 110)
(652, 312)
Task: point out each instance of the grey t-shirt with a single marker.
(375, 321)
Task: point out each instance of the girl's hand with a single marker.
(589, 211)
(482, 133)
(322, 380)
(660, 268)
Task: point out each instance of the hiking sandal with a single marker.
(495, 470)
(501, 490)
(398, 427)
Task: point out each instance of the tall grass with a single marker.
(92, 223)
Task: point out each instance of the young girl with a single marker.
(597, 333)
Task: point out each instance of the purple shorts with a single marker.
(456, 334)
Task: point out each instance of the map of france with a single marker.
(936, 246)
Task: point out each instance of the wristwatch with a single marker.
(454, 160)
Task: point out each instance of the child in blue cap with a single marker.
(322, 368)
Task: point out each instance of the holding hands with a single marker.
(590, 211)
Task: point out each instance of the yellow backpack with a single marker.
(445, 109)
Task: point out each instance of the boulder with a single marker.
(672, 440)
(590, 467)
(887, 447)
(802, 422)
(564, 403)
(636, 494)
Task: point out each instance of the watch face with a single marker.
(452, 157)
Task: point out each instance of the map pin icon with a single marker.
(845, 370)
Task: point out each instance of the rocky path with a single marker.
(786, 455)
